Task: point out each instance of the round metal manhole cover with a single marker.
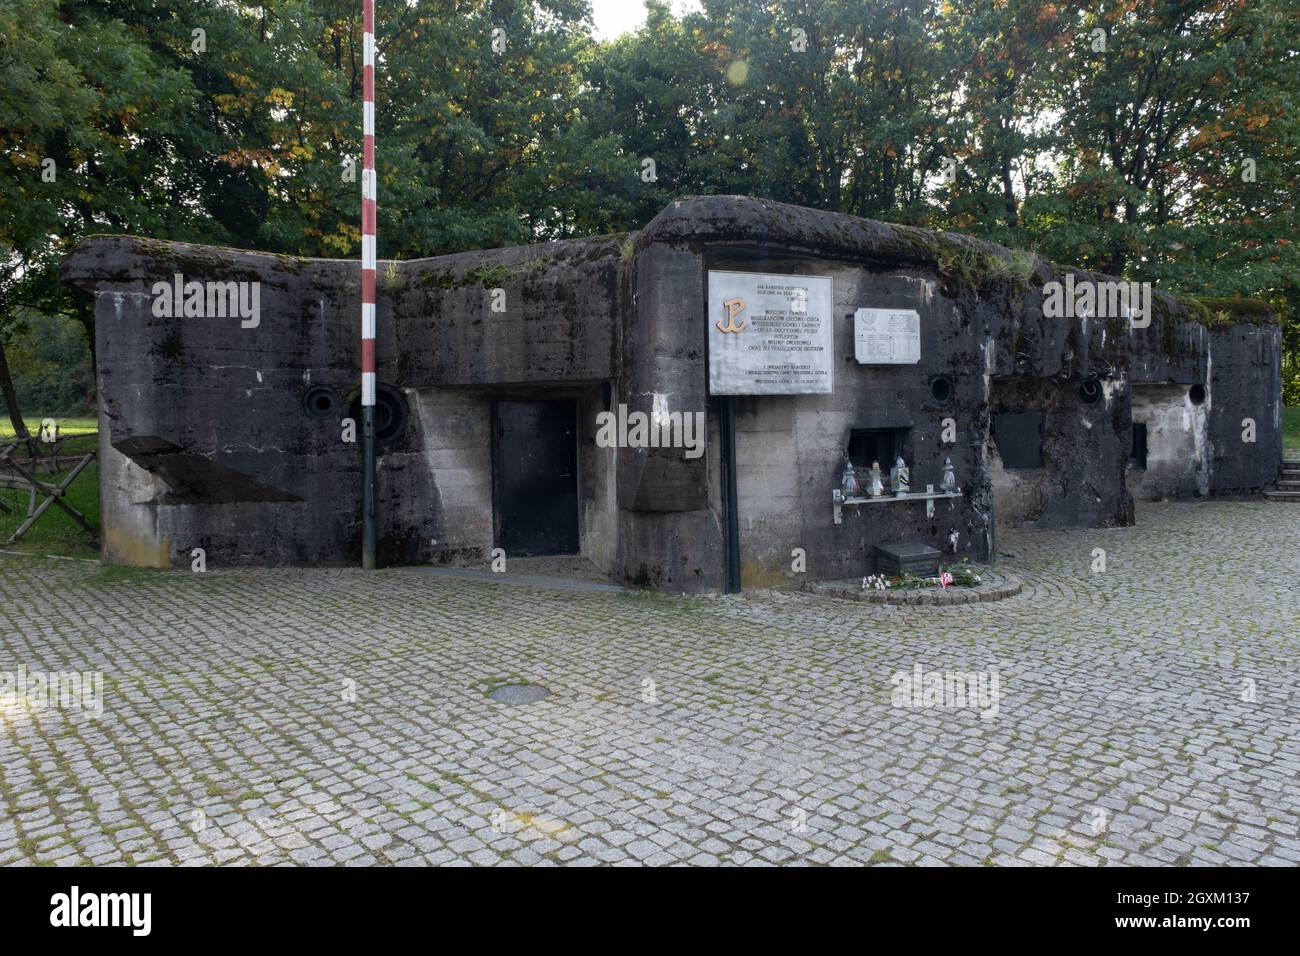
(519, 693)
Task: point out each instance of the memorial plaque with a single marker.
(770, 334)
(887, 336)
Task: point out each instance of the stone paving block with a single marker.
(1120, 692)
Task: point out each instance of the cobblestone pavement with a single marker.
(1145, 714)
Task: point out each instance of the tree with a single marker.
(1113, 134)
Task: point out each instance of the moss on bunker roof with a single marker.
(1221, 312)
(693, 221)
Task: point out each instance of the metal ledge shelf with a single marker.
(929, 496)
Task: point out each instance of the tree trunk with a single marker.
(11, 398)
(1009, 194)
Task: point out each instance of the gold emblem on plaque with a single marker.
(734, 307)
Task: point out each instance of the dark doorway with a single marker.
(1138, 456)
(535, 484)
(1019, 437)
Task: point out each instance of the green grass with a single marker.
(55, 532)
(1291, 429)
(67, 426)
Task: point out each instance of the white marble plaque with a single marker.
(770, 334)
(887, 336)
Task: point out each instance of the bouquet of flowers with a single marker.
(962, 574)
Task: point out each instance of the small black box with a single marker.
(896, 559)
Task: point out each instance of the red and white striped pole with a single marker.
(368, 197)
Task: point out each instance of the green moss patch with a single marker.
(975, 263)
(1222, 313)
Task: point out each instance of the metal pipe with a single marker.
(368, 534)
(727, 433)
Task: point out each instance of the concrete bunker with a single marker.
(232, 438)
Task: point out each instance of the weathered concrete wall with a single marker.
(1245, 400)
(1084, 453)
(212, 412)
(205, 438)
(129, 532)
(791, 449)
(597, 485)
(1202, 448)
(1175, 348)
(998, 328)
(455, 428)
(1178, 444)
(670, 536)
(1178, 454)
(562, 318)
(454, 425)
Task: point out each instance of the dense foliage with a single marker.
(51, 366)
(1158, 139)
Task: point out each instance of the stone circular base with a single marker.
(994, 586)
